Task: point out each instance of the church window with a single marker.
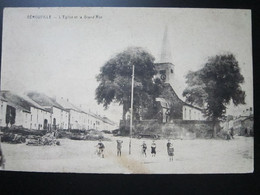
(171, 70)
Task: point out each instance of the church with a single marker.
(169, 105)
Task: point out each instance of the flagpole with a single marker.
(132, 102)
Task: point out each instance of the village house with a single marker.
(59, 116)
(26, 113)
(40, 112)
(75, 115)
(244, 123)
(108, 125)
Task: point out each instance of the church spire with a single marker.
(166, 55)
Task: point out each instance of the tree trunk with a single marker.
(124, 111)
(215, 127)
(214, 130)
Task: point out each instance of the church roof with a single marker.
(166, 55)
(170, 95)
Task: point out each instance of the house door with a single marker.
(45, 124)
(54, 123)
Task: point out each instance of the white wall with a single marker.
(61, 117)
(75, 120)
(3, 105)
(37, 118)
(190, 113)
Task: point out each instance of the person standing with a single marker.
(167, 114)
(144, 147)
(171, 152)
(153, 149)
(101, 148)
(232, 133)
(168, 145)
(119, 147)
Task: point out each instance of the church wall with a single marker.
(190, 113)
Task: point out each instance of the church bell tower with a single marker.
(165, 67)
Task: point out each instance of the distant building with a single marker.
(59, 116)
(74, 114)
(244, 123)
(39, 112)
(107, 124)
(79, 118)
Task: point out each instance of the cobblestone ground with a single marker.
(191, 156)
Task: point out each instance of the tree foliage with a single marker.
(115, 80)
(215, 85)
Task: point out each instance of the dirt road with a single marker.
(191, 156)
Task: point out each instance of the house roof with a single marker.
(66, 104)
(19, 101)
(251, 117)
(107, 120)
(43, 100)
(2, 98)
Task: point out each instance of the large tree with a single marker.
(115, 80)
(215, 85)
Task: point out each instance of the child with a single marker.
(153, 149)
(171, 152)
(144, 147)
(101, 148)
(168, 145)
(119, 146)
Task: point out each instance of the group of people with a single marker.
(153, 148)
(100, 148)
(169, 145)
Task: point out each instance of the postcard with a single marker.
(127, 90)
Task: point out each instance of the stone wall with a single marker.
(177, 129)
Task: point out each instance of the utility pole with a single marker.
(132, 102)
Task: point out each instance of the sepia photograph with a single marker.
(127, 90)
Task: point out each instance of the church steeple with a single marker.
(166, 56)
(165, 67)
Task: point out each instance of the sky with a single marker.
(59, 51)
